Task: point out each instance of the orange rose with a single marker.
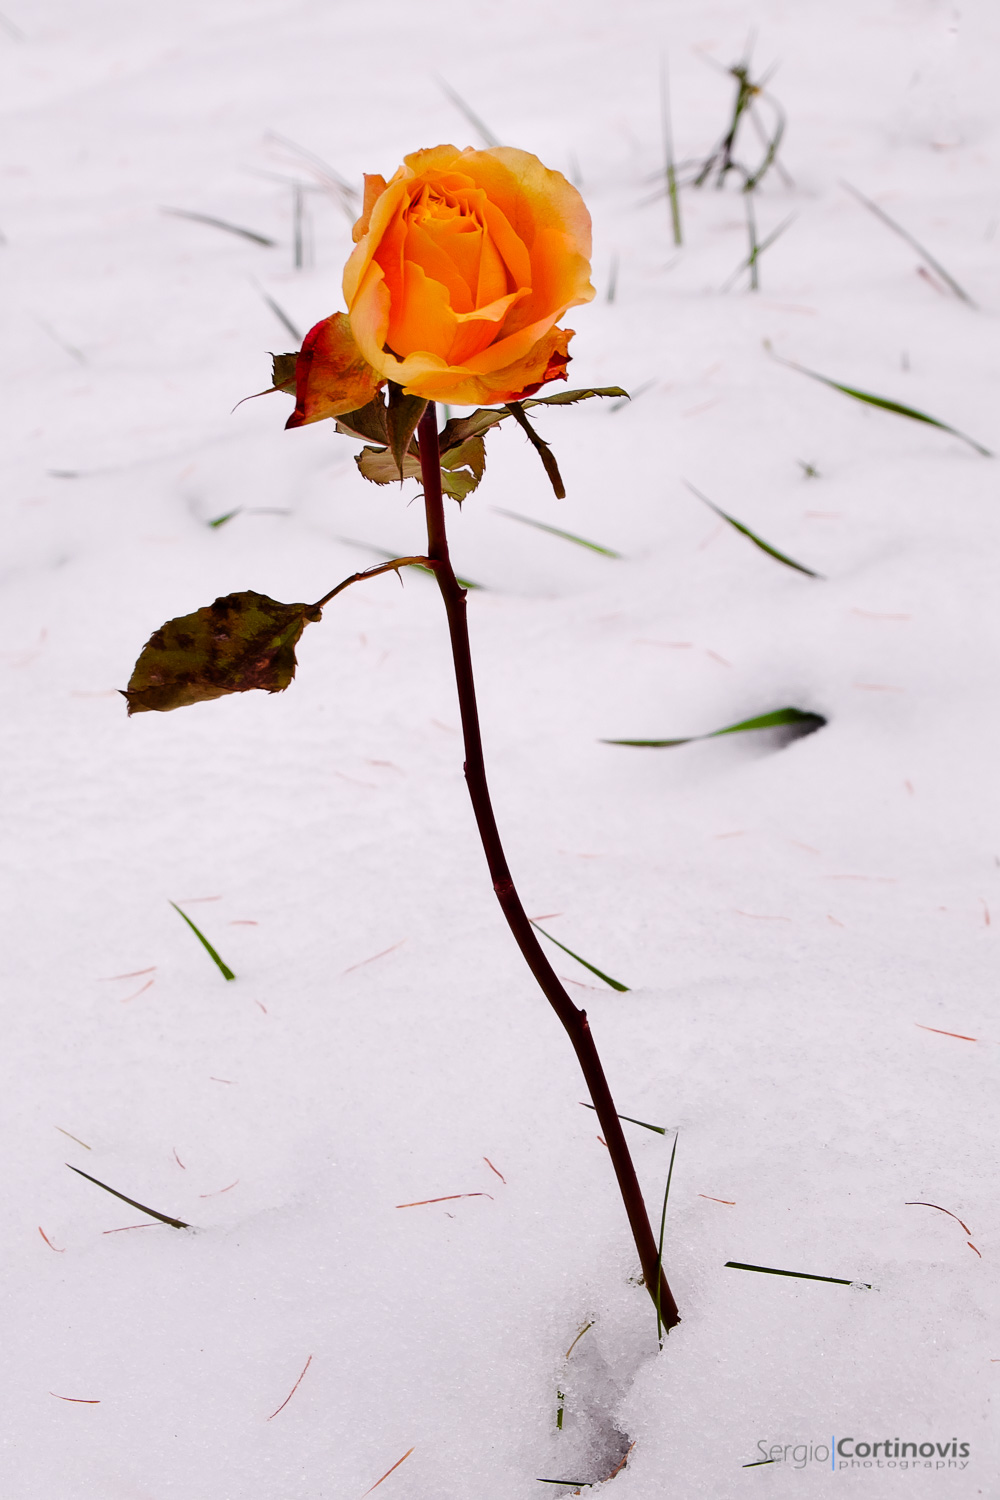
(464, 263)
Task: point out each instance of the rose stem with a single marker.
(574, 1020)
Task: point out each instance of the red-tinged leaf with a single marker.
(332, 376)
(242, 641)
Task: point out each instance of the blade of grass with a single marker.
(752, 536)
(247, 234)
(163, 1218)
(568, 536)
(914, 243)
(757, 248)
(477, 124)
(659, 1249)
(882, 402)
(670, 171)
(758, 1462)
(775, 720)
(282, 317)
(221, 520)
(224, 968)
(621, 988)
(739, 1265)
(660, 1129)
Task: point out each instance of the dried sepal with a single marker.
(332, 376)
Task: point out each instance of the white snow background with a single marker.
(790, 918)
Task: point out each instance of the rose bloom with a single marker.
(464, 262)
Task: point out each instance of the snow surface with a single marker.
(788, 916)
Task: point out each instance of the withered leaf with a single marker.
(242, 641)
(378, 465)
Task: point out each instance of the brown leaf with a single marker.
(242, 641)
(332, 376)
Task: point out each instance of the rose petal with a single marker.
(331, 374)
(427, 251)
(375, 186)
(421, 321)
(434, 380)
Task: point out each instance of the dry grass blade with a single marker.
(132, 1202)
(914, 243)
(739, 1265)
(246, 234)
(482, 129)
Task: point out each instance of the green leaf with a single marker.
(621, 988)
(378, 465)
(459, 429)
(484, 417)
(463, 467)
(402, 415)
(283, 372)
(224, 968)
(163, 1218)
(367, 422)
(752, 536)
(807, 722)
(570, 398)
(458, 485)
(883, 403)
(242, 641)
(568, 536)
(468, 455)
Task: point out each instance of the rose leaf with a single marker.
(402, 416)
(378, 465)
(283, 372)
(367, 422)
(242, 641)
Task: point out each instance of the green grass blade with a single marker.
(809, 722)
(621, 988)
(221, 520)
(581, 541)
(915, 244)
(739, 1265)
(758, 1462)
(659, 1248)
(752, 536)
(757, 248)
(670, 171)
(226, 971)
(163, 1218)
(660, 1129)
(885, 404)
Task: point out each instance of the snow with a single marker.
(790, 917)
